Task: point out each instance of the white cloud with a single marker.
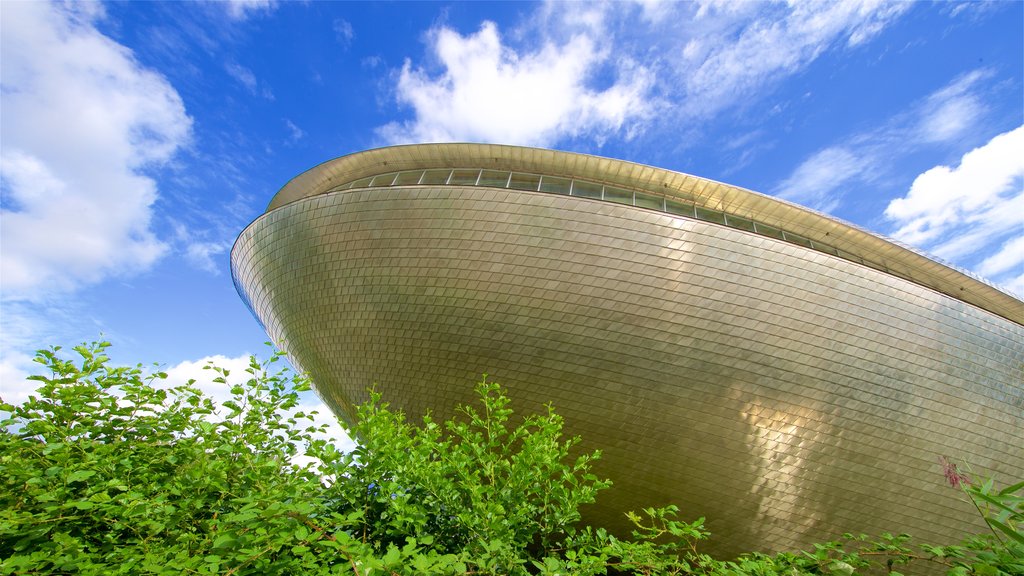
(942, 118)
(1015, 284)
(957, 212)
(15, 368)
(242, 9)
(294, 132)
(201, 255)
(1009, 257)
(815, 181)
(948, 113)
(82, 120)
(576, 70)
(945, 196)
(655, 11)
(490, 92)
(343, 32)
(748, 46)
(27, 326)
(246, 78)
(977, 10)
(971, 214)
(198, 248)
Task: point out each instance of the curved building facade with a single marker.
(787, 375)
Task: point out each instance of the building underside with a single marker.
(786, 375)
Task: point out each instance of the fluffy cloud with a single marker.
(962, 211)
(82, 121)
(1009, 257)
(580, 76)
(15, 368)
(490, 92)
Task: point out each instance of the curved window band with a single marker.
(576, 187)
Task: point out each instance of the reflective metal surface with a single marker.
(782, 392)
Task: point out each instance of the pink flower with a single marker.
(953, 476)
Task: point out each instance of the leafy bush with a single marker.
(105, 471)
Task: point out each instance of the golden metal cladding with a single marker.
(785, 393)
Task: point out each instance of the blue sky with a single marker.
(138, 139)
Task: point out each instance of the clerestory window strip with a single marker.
(579, 188)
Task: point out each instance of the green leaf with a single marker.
(80, 475)
(100, 497)
(1013, 534)
(839, 567)
(985, 569)
(993, 501)
(392, 556)
(1011, 489)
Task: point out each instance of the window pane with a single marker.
(648, 201)
(798, 240)
(554, 185)
(435, 177)
(741, 223)
(848, 256)
(586, 189)
(524, 181)
(464, 178)
(362, 183)
(494, 178)
(618, 195)
(769, 231)
(409, 178)
(681, 208)
(383, 180)
(824, 248)
(710, 215)
(875, 265)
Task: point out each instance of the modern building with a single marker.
(787, 375)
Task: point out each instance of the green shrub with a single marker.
(106, 471)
